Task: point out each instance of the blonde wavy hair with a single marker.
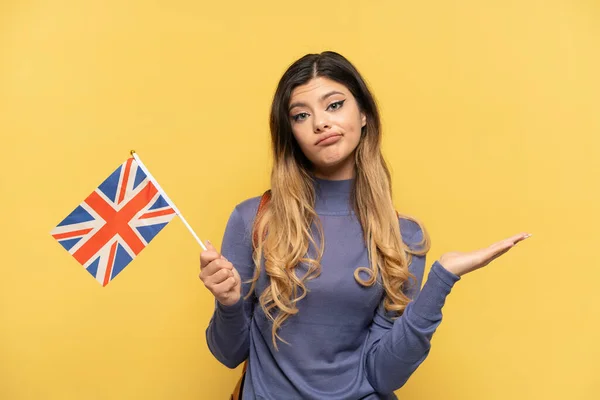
(284, 229)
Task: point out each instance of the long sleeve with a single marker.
(398, 347)
(228, 333)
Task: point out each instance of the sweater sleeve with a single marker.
(398, 346)
(228, 332)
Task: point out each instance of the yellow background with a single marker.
(491, 122)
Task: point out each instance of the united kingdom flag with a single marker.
(115, 222)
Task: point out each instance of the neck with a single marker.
(332, 196)
(339, 172)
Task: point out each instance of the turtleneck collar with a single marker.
(333, 197)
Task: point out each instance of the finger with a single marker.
(208, 256)
(218, 277)
(508, 242)
(213, 267)
(500, 248)
(522, 237)
(224, 287)
(498, 255)
(519, 237)
(209, 246)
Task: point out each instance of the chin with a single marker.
(331, 163)
(332, 159)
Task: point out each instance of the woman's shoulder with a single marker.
(245, 211)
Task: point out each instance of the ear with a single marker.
(363, 120)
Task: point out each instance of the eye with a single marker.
(336, 105)
(300, 117)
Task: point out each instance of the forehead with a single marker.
(316, 87)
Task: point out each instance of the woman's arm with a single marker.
(398, 347)
(228, 333)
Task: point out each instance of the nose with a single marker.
(321, 123)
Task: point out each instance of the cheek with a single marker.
(301, 135)
(352, 125)
(349, 121)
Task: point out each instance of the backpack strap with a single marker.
(262, 206)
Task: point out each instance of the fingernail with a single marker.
(208, 242)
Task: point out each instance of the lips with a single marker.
(325, 137)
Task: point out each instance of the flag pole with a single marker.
(164, 194)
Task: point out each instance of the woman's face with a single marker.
(326, 122)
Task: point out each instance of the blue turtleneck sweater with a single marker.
(343, 345)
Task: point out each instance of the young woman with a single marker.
(322, 293)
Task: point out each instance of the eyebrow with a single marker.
(325, 96)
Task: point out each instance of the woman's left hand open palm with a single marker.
(462, 263)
